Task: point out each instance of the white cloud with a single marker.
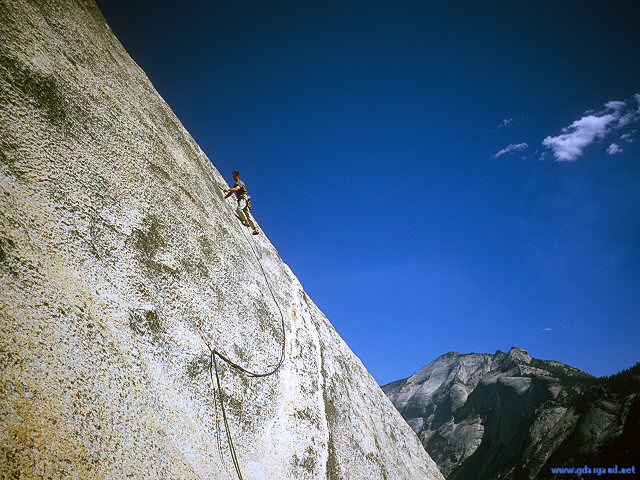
(547, 329)
(613, 149)
(578, 136)
(615, 105)
(510, 149)
(627, 119)
(628, 137)
(592, 127)
(504, 123)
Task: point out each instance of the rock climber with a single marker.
(244, 202)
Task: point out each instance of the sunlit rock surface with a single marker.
(116, 246)
(508, 416)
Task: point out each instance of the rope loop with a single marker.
(213, 370)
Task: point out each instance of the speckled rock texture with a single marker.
(508, 416)
(116, 246)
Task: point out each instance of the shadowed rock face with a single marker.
(508, 416)
(116, 245)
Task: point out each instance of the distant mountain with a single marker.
(510, 416)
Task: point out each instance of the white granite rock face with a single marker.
(116, 246)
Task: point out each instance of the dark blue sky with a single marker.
(440, 175)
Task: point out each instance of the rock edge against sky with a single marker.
(116, 246)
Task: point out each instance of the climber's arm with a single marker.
(230, 191)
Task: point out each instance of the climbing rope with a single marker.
(214, 353)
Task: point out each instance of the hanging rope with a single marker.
(214, 353)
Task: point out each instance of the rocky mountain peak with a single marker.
(515, 356)
(507, 415)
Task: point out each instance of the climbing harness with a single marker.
(214, 354)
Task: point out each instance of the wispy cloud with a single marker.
(615, 105)
(547, 329)
(511, 149)
(628, 137)
(592, 127)
(614, 148)
(503, 124)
